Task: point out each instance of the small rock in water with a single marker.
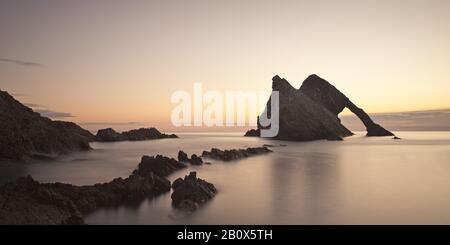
(183, 157)
(191, 192)
(196, 160)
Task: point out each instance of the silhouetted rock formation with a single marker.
(159, 165)
(196, 160)
(25, 133)
(26, 201)
(146, 134)
(326, 94)
(190, 193)
(183, 157)
(229, 155)
(311, 112)
(110, 135)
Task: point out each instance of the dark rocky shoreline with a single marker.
(26, 134)
(26, 201)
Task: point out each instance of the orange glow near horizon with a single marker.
(119, 62)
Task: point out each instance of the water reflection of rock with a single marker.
(312, 194)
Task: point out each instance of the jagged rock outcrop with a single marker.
(117, 192)
(191, 192)
(311, 112)
(230, 155)
(26, 201)
(159, 165)
(183, 157)
(110, 135)
(25, 133)
(196, 160)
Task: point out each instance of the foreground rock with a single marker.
(311, 112)
(110, 135)
(191, 192)
(229, 155)
(25, 133)
(26, 201)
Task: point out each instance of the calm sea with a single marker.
(360, 180)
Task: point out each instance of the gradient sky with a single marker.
(119, 61)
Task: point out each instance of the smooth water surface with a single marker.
(359, 180)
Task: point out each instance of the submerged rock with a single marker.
(25, 133)
(229, 155)
(191, 192)
(110, 135)
(311, 112)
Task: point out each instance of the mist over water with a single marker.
(360, 180)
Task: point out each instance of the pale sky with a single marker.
(120, 61)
